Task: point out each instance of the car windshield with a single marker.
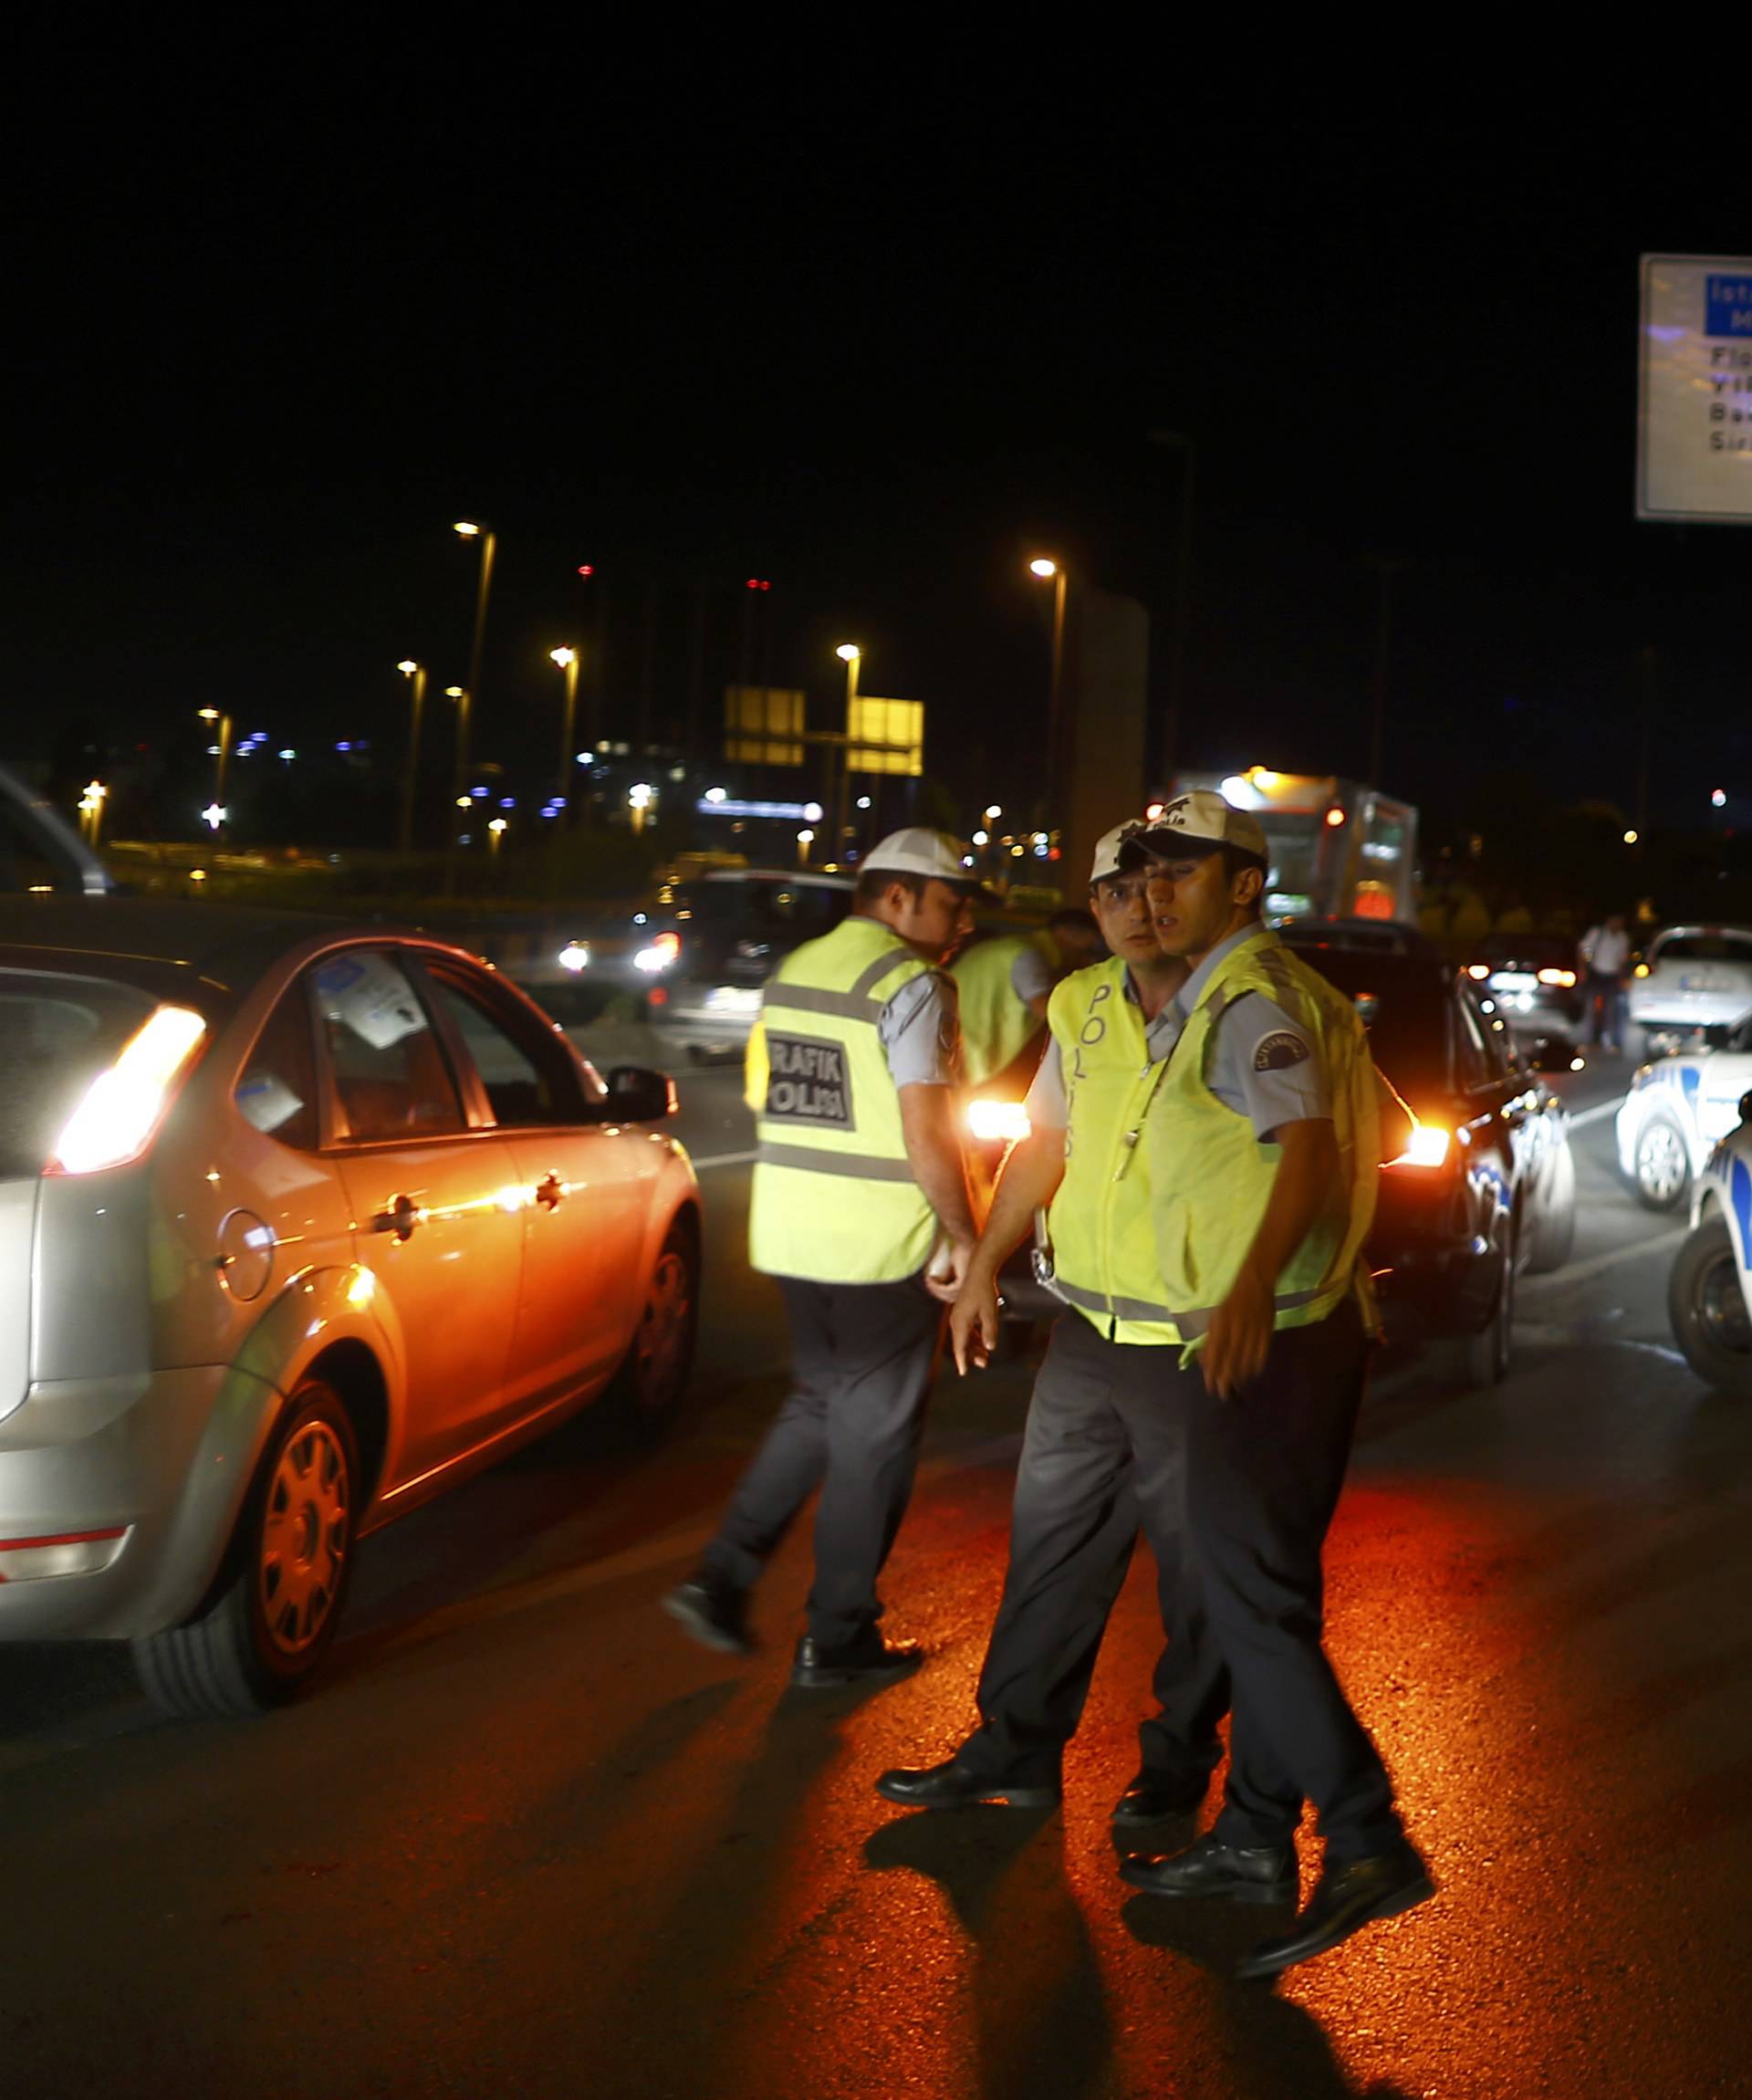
(1714, 946)
(60, 1032)
(1404, 1001)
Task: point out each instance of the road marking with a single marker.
(724, 1159)
(1578, 1271)
(1601, 1109)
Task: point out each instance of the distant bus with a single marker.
(1339, 850)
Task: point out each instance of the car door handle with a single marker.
(399, 1218)
(551, 1191)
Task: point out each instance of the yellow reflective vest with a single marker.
(995, 1026)
(1101, 1221)
(834, 1199)
(1213, 1176)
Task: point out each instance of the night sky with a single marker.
(880, 356)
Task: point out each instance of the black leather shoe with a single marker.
(1208, 1868)
(952, 1786)
(715, 1612)
(869, 1657)
(1153, 1794)
(1346, 1898)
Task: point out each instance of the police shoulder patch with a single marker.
(1278, 1050)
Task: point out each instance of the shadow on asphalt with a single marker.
(1272, 2048)
(1036, 1984)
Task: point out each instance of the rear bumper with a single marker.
(166, 1455)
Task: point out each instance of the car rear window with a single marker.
(758, 908)
(1711, 947)
(59, 1033)
(1405, 1004)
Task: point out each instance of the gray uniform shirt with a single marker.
(919, 1030)
(1263, 1065)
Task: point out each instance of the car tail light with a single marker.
(1564, 978)
(660, 954)
(123, 1107)
(995, 1122)
(1427, 1146)
(1479, 972)
(63, 1554)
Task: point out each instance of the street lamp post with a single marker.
(467, 529)
(1043, 569)
(417, 672)
(1387, 566)
(567, 658)
(92, 809)
(851, 655)
(220, 750)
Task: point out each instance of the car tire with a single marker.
(262, 1640)
(1660, 1164)
(1707, 1308)
(1554, 1240)
(652, 1378)
(1484, 1356)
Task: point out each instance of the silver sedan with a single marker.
(300, 1224)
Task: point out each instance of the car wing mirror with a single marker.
(1718, 1035)
(639, 1095)
(1746, 1107)
(1549, 1054)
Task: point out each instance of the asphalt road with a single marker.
(529, 1840)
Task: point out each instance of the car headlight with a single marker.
(575, 956)
(660, 954)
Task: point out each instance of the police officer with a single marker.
(859, 1208)
(1101, 1450)
(1002, 983)
(1263, 1142)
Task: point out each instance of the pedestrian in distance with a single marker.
(1604, 954)
(1101, 1452)
(859, 1208)
(1263, 1140)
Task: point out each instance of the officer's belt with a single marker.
(1198, 1322)
(1119, 1307)
(857, 1165)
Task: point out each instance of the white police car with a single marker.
(1677, 1111)
(1709, 1295)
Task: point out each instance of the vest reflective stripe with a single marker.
(857, 1165)
(1213, 1177)
(995, 1026)
(1124, 1308)
(1100, 1222)
(834, 1199)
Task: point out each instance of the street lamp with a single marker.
(92, 809)
(417, 672)
(568, 661)
(221, 751)
(467, 529)
(495, 832)
(639, 800)
(1042, 568)
(851, 655)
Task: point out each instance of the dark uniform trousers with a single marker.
(861, 1368)
(1264, 1470)
(1103, 1452)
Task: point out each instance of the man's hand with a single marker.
(1240, 1335)
(974, 1322)
(946, 1271)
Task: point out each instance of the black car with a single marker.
(1487, 1189)
(1532, 977)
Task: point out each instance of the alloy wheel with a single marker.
(660, 1347)
(306, 1526)
(1662, 1166)
(1721, 1306)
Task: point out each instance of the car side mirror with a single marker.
(1550, 1054)
(639, 1095)
(1746, 1107)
